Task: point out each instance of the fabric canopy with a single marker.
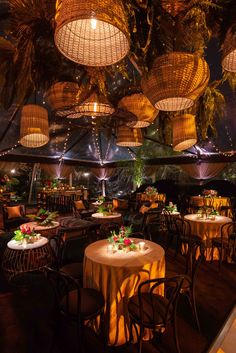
(203, 170)
(103, 173)
(57, 171)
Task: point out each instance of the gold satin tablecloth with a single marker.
(118, 276)
(207, 229)
(215, 202)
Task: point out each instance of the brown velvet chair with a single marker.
(14, 216)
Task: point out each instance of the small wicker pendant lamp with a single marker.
(127, 137)
(175, 81)
(141, 107)
(184, 132)
(96, 105)
(92, 32)
(62, 95)
(34, 126)
(229, 51)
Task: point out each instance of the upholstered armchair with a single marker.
(13, 216)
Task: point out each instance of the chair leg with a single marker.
(192, 302)
(176, 334)
(140, 339)
(220, 258)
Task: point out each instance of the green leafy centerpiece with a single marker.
(105, 209)
(25, 235)
(45, 218)
(121, 240)
(207, 213)
(151, 190)
(100, 200)
(171, 207)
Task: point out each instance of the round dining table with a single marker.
(113, 217)
(46, 231)
(117, 275)
(206, 229)
(21, 258)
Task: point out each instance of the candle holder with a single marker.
(141, 246)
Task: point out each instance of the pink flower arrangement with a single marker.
(121, 239)
(209, 193)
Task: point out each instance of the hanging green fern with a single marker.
(138, 169)
(211, 108)
(231, 78)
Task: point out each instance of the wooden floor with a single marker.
(27, 325)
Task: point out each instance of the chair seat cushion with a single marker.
(92, 303)
(160, 304)
(74, 270)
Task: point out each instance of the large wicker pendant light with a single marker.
(92, 32)
(184, 132)
(229, 51)
(96, 105)
(175, 81)
(34, 126)
(62, 95)
(141, 107)
(127, 137)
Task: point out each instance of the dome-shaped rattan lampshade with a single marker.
(184, 132)
(127, 137)
(229, 51)
(141, 107)
(34, 126)
(175, 81)
(96, 105)
(62, 95)
(92, 32)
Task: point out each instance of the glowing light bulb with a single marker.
(93, 23)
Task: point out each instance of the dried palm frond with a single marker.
(211, 108)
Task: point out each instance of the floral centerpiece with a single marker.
(209, 193)
(150, 190)
(171, 207)
(100, 200)
(208, 213)
(105, 209)
(25, 234)
(45, 218)
(121, 240)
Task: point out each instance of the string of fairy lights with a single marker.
(9, 150)
(96, 144)
(68, 134)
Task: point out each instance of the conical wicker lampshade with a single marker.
(128, 137)
(92, 32)
(175, 81)
(184, 132)
(141, 107)
(229, 51)
(62, 95)
(34, 126)
(95, 105)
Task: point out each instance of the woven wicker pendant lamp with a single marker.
(127, 137)
(92, 32)
(175, 81)
(62, 95)
(34, 126)
(141, 107)
(184, 132)
(229, 51)
(96, 105)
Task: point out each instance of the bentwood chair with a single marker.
(76, 304)
(226, 243)
(194, 258)
(70, 244)
(153, 311)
